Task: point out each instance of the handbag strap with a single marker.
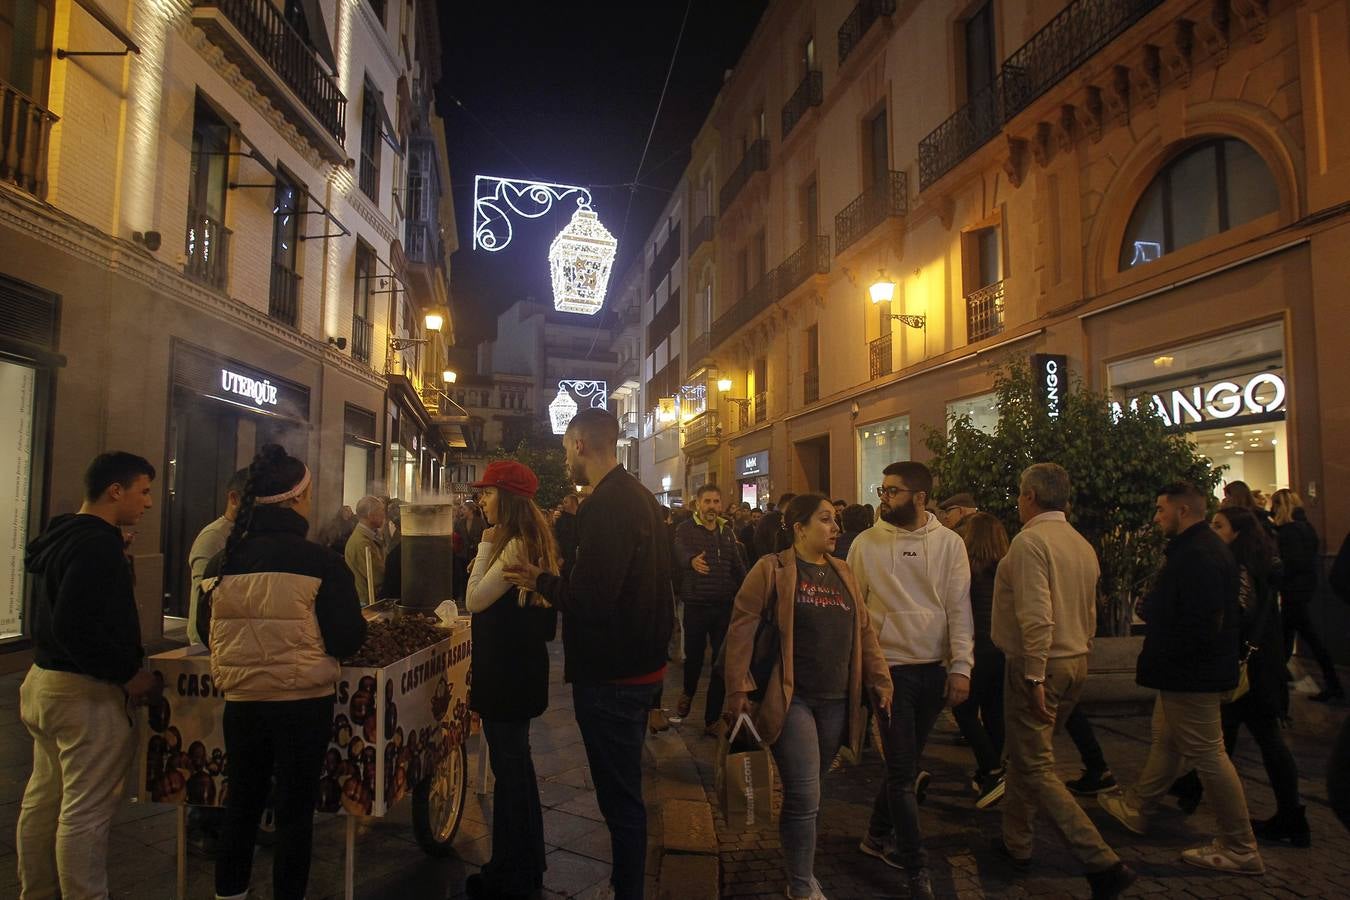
(743, 719)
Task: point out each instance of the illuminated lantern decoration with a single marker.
(561, 411)
(580, 259)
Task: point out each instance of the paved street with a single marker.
(680, 766)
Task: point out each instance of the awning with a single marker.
(110, 25)
(318, 32)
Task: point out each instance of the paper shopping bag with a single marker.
(744, 781)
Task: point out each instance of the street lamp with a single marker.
(434, 322)
(883, 291)
(449, 376)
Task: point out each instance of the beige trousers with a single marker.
(83, 739)
(1032, 784)
(1187, 734)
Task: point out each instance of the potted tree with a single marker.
(1117, 458)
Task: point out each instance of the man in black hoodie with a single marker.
(77, 698)
(617, 614)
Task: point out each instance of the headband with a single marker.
(289, 495)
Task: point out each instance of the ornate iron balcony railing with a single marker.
(363, 335)
(761, 407)
(811, 258)
(25, 127)
(283, 301)
(757, 298)
(859, 21)
(984, 312)
(207, 248)
(811, 92)
(869, 209)
(756, 160)
(262, 25)
(701, 233)
(879, 357)
(1071, 38)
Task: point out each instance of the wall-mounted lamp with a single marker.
(449, 376)
(434, 322)
(883, 291)
(723, 385)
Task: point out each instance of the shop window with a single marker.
(879, 445)
(1204, 191)
(358, 454)
(981, 411)
(288, 209)
(18, 392)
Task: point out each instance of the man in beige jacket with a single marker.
(365, 549)
(1045, 613)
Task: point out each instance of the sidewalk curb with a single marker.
(688, 860)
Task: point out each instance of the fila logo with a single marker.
(910, 553)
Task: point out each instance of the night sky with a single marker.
(565, 92)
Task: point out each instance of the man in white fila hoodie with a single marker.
(915, 580)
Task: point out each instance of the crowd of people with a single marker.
(817, 617)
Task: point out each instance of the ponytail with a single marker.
(273, 471)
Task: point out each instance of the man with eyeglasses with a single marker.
(915, 580)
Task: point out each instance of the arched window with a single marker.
(1207, 189)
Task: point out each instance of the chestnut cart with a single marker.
(398, 732)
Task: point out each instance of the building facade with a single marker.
(201, 251)
(1149, 194)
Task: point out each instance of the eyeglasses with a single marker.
(890, 492)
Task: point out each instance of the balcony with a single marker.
(811, 258)
(859, 22)
(702, 233)
(811, 92)
(756, 160)
(700, 348)
(756, 299)
(424, 244)
(703, 433)
(257, 38)
(666, 320)
(1071, 38)
(25, 127)
(283, 302)
(884, 200)
(811, 385)
(363, 335)
(665, 259)
(879, 357)
(984, 312)
(207, 248)
(629, 427)
(761, 407)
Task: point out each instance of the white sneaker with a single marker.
(815, 894)
(1120, 809)
(1224, 859)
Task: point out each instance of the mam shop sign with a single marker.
(1255, 395)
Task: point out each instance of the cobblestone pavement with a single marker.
(958, 835)
(679, 765)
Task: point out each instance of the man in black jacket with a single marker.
(77, 698)
(711, 572)
(1190, 656)
(617, 613)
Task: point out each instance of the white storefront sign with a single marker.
(260, 392)
(1259, 394)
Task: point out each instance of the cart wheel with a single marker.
(438, 804)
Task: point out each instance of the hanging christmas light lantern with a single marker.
(580, 259)
(561, 411)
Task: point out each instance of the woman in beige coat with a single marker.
(812, 700)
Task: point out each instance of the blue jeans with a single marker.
(811, 735)
(919, 697)
(517, 864)
(613, 723)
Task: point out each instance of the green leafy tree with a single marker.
(1116, 460)
(542, 451)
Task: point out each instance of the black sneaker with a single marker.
(920, 885)
(921, 785)
(1111, 883)
(991, 790)
(881, 848)
(1090, 783)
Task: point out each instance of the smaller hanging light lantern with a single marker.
(561, 411)
(580, 259)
